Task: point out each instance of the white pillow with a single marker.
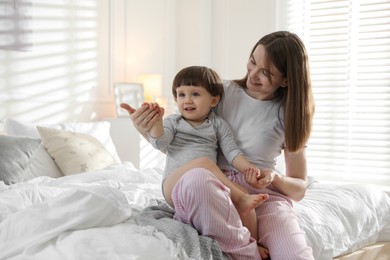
(2, 128)
(99, 129)
(24, 158)
(18, 128)
(75, 152)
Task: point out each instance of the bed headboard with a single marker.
(131, 146)
(126, 139)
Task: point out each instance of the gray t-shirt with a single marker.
(257, 125)
(182, 142)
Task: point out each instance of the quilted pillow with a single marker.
(24, 158)
(75, 152)
(2, 129)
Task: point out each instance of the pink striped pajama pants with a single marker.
(201, 200)
(278, 227)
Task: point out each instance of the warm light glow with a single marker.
(152, 86)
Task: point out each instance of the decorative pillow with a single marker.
(75, 152)
(100, 130)
(24, 158)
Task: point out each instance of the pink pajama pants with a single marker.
(278, 227)
(201, 200)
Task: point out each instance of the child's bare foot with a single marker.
(264, 253)
(249, 202)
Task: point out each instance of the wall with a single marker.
(163, 36)
(81, 48)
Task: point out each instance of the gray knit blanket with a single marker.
(196, 246)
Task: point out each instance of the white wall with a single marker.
(164, 36)
(81, 48)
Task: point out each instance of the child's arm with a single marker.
(260, 179)
(253, 175)
(243, 165)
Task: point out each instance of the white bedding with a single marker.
(342, 219)
(90, 216)
(85, 216)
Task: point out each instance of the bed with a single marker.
(66, 192)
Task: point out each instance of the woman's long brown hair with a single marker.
(288, 54)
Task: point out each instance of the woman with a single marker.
(269, 111)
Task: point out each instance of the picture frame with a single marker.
(131, 93)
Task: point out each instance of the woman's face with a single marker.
(258, 83)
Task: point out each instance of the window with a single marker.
(66, 74)
(15, 25)
(349, 49)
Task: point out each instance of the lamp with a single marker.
(153, 92)
(152, 86)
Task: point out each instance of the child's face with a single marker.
(195, 102)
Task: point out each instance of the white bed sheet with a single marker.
(89, 216)
(341, 219)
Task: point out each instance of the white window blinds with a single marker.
(349, 49)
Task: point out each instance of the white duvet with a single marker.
(89, 216)
(341, 219)
(84, 216)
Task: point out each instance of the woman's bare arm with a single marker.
(294, 183)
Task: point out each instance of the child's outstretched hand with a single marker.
(258, 179)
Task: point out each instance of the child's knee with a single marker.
(196, 177)
(201, 182)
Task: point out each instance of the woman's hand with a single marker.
(144, 117)
(259, 179)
